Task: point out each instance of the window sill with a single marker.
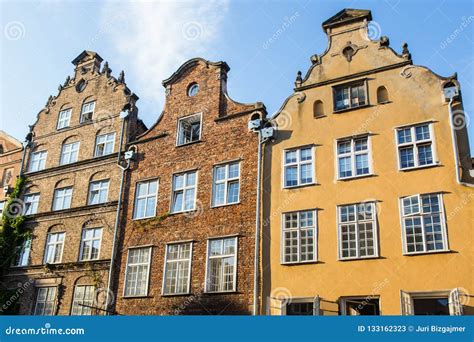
(137, 297)
(190, 143)
(414, 168)
(220, 292)
(337, 111)
(360, 258)
(356, 177)
(176, 294)
(225, 205)
(299, 186)
(300, 263)
(143, 218)
(441, 251)
(183, 212)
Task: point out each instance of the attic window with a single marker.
(80, 86)
(348, 52)
(349, 96)
(189, 129)
(193, 89)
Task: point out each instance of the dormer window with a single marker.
(87, 111)
(189, 129)
(193, 89)
(348, 96)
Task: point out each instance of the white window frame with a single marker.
(298, 230)
(356, 223)
(298, 164)
(101, 188)
(344, 300)
(58, 196)
(178, 261)
(454, 304)
(184, 189)
(420, 214)
(41, 160)
(91, 240)
(226, 181)
(76, 302)
(146, 198)
(64, 118)
(31, 203)
(350, 85)
(148, 263)
(91, 111)
(107, 142)
(67, 155)
(22, 254)
(55, 245)
(178, 129)
(414, 144)
(222, 256)
(352, 154)
(54, 289)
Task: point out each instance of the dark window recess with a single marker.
(349, 96)
(431, 306)
(299, 309)
(318, 109)
(382, 95)
(362, 307)
(189, 129)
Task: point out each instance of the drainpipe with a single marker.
(455, 145)
(26, 144)
(257, 227)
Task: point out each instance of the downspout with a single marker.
(26, 145)
(455, 145)
(257, 227)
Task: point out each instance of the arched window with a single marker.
(382, 95)
(318, 109)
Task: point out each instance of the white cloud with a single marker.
(155, 38)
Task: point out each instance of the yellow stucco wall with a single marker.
(415, 95)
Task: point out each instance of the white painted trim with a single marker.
(185, 173)
(298, 165)
(189, 260)
(135, 198)
(178, 131)
(148, 273)
(226, 182)
(234, 287)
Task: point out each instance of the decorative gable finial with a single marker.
(406, 53)
(384, 41)
(106, 70)
(121, 78)
(66, 82)
(315, 59)
(299, 79)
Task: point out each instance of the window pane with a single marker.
(406, 157)
(345, 167)
(404, 135)
(425, 157)
(422, 132)
(362, 164)
(291, 176)
(233, 192)
(306, 174)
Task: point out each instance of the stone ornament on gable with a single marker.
(349, 50)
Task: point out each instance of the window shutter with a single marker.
(406, 303)
(455, 305)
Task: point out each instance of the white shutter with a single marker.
(455, 305)
(406, 303)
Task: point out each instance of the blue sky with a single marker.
(150, 40)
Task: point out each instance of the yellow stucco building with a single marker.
(368, 198)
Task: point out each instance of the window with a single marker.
(299, 169)
(424, 227)
(104, 144)
(83, 300)
(177, 268)
(433, 303)
(226, 185)
(54, 248)
(382, 95)
(69, 153)
(357, 231)
(62, 198)
(415, 146)
(38, 161)
(300, 309)
(184, 192)
(64, 118)
(299, 237)
(193, 89)
(31, 203)
(136, 277)
(2, 206)
(90, 246)
(45, 301)
(22, 254)
(349, 96)
(98, 192)
(221, 265)
(360, 306)
(189, 129)
(353, 157)
(145, 199)
(87, 111)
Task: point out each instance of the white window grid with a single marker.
(38, 160)
(87, 111)
(146, 199)
(221, 268)
(226, 176)
(355, 147)
(98, 191)
(298, 163)
(423, 224)
(414, 142)
(177, 273)
(64, 118)
(62, 198)
(83, 300)
(91, 244)
(104, 144)
(357, 229)
(45, 301)
(22, 254)
(69, 153)
(187, 128)
(31, 203)
(184, 192)
(137, 272)
(299, 237)
(54, 248)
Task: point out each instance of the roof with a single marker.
(190, 63)
(85, 53)
(346, 16)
